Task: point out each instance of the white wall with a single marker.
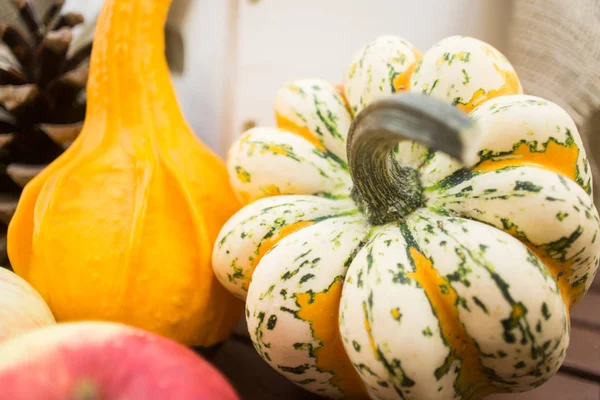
(238, 52)
(204, 26)
(89, 8)
(283, 40)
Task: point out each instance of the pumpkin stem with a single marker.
(384, 189)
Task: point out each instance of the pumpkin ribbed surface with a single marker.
(121, 226)
(465, 295)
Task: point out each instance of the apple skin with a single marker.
(21, 307)
(105, 360)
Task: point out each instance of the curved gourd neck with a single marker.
(129, 78)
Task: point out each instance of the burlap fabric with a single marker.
(555, 47)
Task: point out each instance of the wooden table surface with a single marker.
(578, 379)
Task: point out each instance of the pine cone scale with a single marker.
(66, 88)
(6, 138)
(12, 97)
(23, 173)
(29, 16)
(70, 20)
(8, 205)
(64, 133)
(20, 47)
(53, 11)
(51, 55)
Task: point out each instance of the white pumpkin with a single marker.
(395, 247)
(21, 308)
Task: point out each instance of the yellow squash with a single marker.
(121, 226)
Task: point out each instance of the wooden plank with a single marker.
(583, 358)
(252, 377)
(241, 328)
(586, 313)
(596, 284)
(560, 387)
(584, 351)
(203, 26)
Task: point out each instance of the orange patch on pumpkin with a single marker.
(266, 245)
(401, 82)
(557, 158)
(471, 381)
(511, 85)
(321, 311)
(341, 91)
(290, 126)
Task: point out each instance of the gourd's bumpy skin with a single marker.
(466, 296)
(121, 226)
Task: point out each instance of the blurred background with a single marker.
(228, 58)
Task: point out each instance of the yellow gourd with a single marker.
(121, 226)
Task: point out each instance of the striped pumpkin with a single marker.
(396, 247)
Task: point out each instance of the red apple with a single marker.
(21, 307)
(105, 360)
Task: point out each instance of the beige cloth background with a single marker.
(555, 47)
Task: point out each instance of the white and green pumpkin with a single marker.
(442, 267)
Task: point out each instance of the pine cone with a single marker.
(42, 97)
